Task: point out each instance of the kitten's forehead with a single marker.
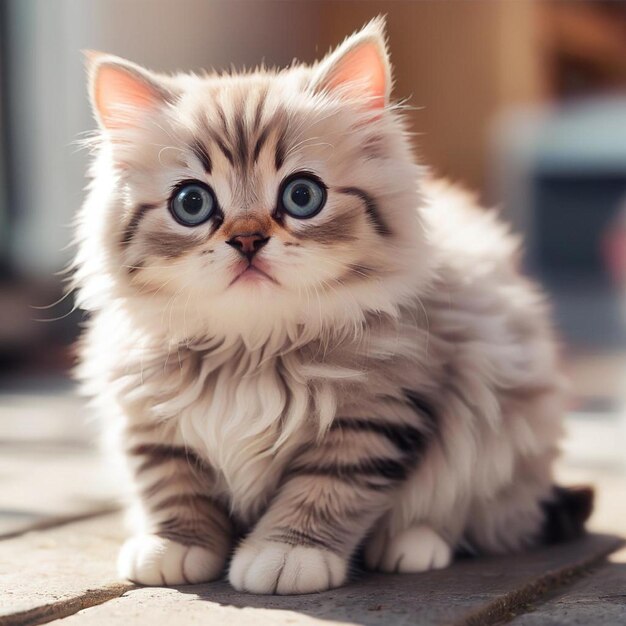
(242, 120)
(244, 134)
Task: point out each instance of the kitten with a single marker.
(302, 344)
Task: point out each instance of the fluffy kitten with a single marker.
(302, 345)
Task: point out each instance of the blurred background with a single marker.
(521, 101)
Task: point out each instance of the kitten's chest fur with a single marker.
(245, 412)
(236, 422)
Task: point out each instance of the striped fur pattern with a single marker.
(393, 385)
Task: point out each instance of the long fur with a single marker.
(401, 376)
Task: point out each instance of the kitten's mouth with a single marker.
(253, 274)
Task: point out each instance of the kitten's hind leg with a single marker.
(417, 549)
(527, 512)
(187, 535)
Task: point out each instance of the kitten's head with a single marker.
(248, 202)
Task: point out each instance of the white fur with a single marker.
(270, 567)
(416, 549)
(247, 376)
(152, 560)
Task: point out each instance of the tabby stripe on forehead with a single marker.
(258, 114)
(281, 150)
(223, 121)
(241, 141)
(222, 146)
(133, 222)
(202, 154)
(260, 143)
(371, 208)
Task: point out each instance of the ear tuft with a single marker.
(359, 68)
(122, 93)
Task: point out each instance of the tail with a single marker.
(566, 513)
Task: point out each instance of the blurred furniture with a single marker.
(585, 46)
(561, 172)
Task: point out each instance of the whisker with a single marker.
(50, 306)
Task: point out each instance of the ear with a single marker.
(359, 68)
(122, 93)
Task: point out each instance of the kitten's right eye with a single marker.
(192, 203)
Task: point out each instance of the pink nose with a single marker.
(248, 244)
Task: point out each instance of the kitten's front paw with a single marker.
(271, 567)
(417, 549)
(153, 560)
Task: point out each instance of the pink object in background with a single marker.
(614, 246)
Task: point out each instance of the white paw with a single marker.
(272, 567)
(416, 549)
(152, 560)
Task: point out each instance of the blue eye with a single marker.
(192, 203)
(303, 196)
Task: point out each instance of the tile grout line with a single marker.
(66, 608)
(502, 610)
(497, 611)
(59, 521)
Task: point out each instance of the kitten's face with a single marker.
(258, 192)
(252, 189)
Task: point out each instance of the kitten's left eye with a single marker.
(303, 196)
(192, 203)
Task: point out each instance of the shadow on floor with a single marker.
(492, 587)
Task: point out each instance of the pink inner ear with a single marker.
(364, 69)
(121, 97)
